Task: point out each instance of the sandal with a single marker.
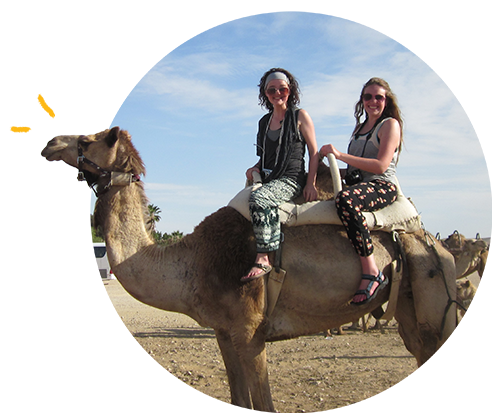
(265, 269)
(382, 282)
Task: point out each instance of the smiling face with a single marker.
(374, 100)
(277, 91)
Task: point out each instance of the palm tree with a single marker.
(175, 236)
(153, 216)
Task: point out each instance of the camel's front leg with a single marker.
(253, 358)
(234, 369)
(407, 323)
(249, 341)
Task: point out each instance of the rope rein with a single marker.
(431, 243)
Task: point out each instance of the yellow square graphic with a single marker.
(32, 112)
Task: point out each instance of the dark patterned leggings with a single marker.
(365, 196)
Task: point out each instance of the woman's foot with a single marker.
(369, 287)
(260, 268)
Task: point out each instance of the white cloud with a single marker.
(179, 91)
(220, 62)
(350, 38)
(190, 92)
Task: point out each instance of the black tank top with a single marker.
(295, 168)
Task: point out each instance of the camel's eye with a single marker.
(84, 142)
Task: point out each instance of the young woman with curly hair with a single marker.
(283, 135)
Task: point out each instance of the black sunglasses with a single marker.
(272, 91)
(369, 96)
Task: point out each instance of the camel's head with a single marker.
(465, 292)
(467, 253)
(110, 150)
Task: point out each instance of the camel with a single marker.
(465, 292)
(470, 254)
(200, 275)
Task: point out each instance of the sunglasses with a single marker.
(369, 96)
(272, 91)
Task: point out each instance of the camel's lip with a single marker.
(50, 154)
(46, 152)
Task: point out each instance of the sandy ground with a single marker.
(307, 374)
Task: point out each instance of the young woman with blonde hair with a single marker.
(371, 175)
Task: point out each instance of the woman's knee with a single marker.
(258, 197)
(343, 201)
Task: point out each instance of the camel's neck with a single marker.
(149, 272)
(121, 212)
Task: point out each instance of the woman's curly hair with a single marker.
(293, 98)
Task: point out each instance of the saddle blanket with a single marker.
(401, 216)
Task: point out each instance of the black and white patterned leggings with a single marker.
(263, 203)
(365, 196)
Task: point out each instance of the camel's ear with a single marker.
(112, 136)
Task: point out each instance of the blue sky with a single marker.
(193, 116)
(184, 84)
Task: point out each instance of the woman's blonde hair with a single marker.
(391, 107)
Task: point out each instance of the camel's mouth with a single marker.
(53, 150)
(50, 154)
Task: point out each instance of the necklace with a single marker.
(274, 119)
(279, 143)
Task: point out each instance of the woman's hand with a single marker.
(250, 171)
(328, 148)
(310, 192)
(390, 137)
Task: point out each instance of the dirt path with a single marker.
(307, 374)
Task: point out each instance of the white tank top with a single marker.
(367, 146)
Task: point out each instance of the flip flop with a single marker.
(265, 269)
(382, 282)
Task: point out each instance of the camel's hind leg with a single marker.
(235, 373)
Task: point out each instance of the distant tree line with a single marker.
(167, 238)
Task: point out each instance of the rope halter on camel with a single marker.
(109, 178)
